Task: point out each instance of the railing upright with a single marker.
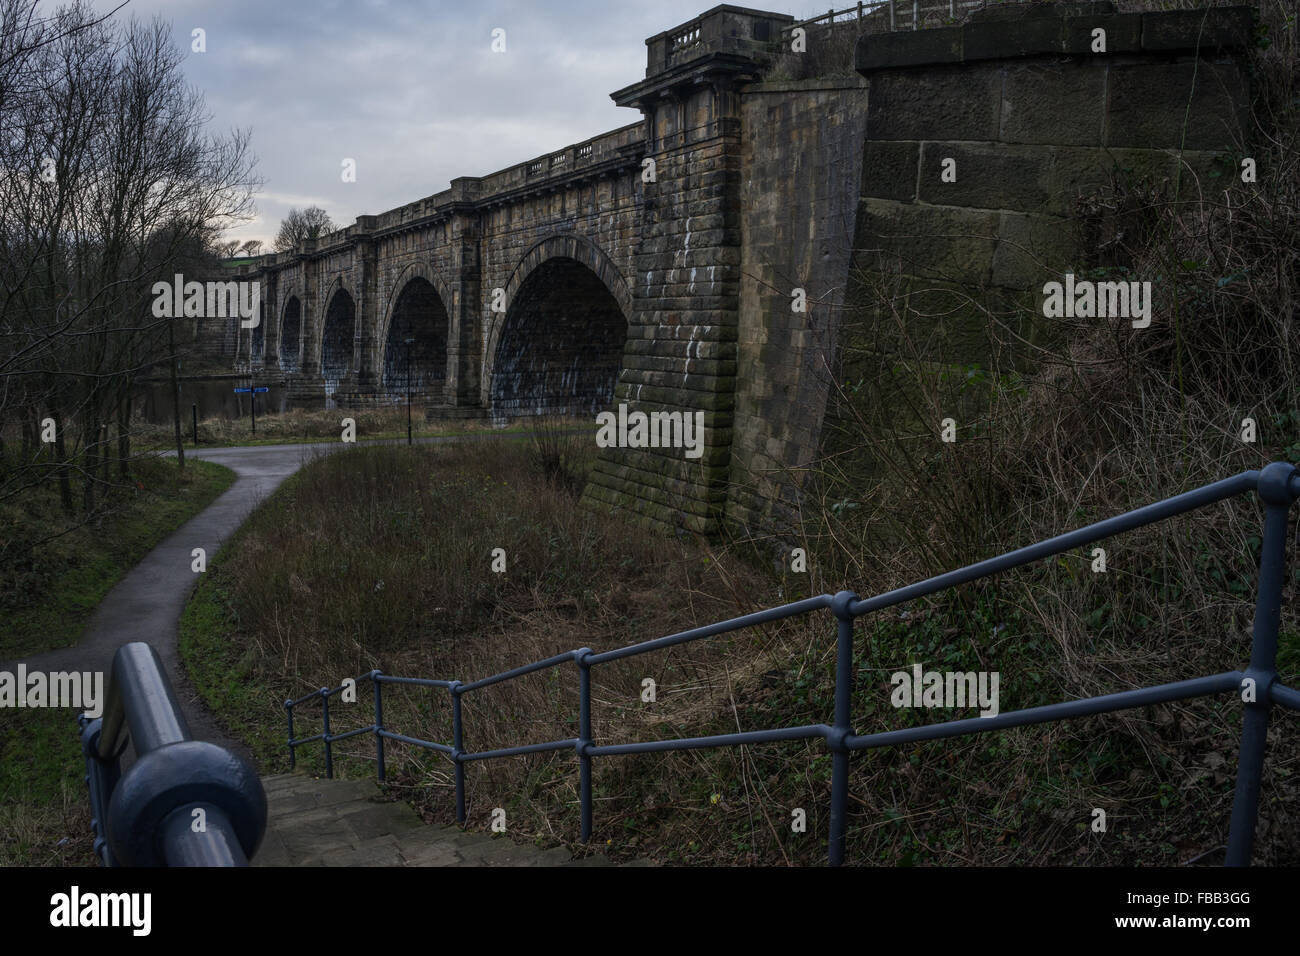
(582, 658)
(458, 749)
(293, 752)
(325, 725)
(843, 724)
(379, 723)
(1274, 489)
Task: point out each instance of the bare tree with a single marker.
(252, 247)
(109, 182)
(312, 223)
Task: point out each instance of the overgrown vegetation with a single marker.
(399, 576)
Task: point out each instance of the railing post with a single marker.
(1274, 491)
(325, 719)
(584, 738)
(893, 21)
(379, 725)
(293, 754)
(842, 725)
(458, 744)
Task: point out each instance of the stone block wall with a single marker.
(844, 191)
(801, 159)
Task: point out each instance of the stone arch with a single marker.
(257, 336)
(559, 346)
(412, 270)
(314, 324)
(290, 328)
(338, 328)
(416, 308)
(559, 247)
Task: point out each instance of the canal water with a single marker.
(216, 398)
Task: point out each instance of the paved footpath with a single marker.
(146, 604)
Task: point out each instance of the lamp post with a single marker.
(409, 343)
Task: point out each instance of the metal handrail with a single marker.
(868, 8)
(183, 802)
(1277, 485)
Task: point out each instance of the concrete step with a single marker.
(314, 822)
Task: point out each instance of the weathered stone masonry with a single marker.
(654, 265)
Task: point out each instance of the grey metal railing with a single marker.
(900, 12)
(1277, 486)
(183, 802)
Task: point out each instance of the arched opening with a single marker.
(417, 340)
(290, 334)
(561, 347)
(259, 333)
(336, 337)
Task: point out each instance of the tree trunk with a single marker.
(61, 456)
(105, 460)
(124, 436)
(92, 449)
(176, 393)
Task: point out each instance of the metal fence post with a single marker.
(325, 718)
(584, 738)
(379, 724)
(293, 755)
(1274, 491)
(841, 727)
(458, 745)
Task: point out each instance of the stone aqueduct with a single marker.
(576, 281)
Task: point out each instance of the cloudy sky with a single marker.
(410, 89)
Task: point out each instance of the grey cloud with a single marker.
(411, 90)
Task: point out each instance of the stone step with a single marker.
(314, 822)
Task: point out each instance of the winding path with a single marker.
(146, 604)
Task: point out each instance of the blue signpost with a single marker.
(252, 394)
